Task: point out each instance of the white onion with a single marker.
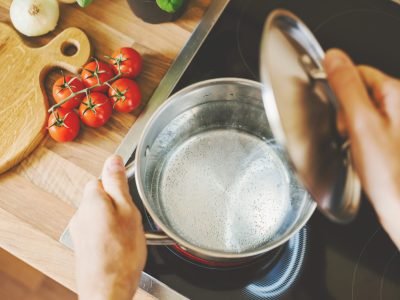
(34, 17)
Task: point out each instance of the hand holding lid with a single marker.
(301, 109)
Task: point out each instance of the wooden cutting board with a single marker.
(23, 100)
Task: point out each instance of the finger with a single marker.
(115, 182)
(95, 196)
(94, 192)
(349, 88)
(94, 200)
(385, 90)
(374, 80)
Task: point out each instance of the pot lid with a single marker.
(301, 110)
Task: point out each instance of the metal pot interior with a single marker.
(212, 177)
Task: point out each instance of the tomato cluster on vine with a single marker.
(101, 88)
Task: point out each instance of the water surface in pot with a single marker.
(225, 190)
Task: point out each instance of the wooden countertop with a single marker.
(39, 196)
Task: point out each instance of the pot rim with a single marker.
(212, 254)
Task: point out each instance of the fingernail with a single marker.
(115, 164)
(334, 59)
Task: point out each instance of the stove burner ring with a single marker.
(328, 33)
(270, 276)
(351, 12)
(389, 265)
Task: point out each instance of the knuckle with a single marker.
(113, 175)
(117, 187)
(119, 180)
(345, 77)
(120, 176)
(363, 68)
(117, 183)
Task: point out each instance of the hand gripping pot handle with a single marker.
(154, 238)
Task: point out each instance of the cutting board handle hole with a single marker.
(69, 48)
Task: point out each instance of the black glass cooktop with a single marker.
(324, 261)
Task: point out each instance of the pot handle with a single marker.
(158, 238)
(130, 169)
(340, 209)
(154, 238)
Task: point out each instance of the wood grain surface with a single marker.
(39, 196)
(23, 112)
(19, 281)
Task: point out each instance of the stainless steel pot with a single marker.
(211, 176)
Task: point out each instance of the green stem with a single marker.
(57, 105)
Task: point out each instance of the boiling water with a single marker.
(225, 190)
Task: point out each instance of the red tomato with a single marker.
(125, 94)
(130, 62)
(97, 72)
(64, 87)
(95, 110)
(63, 125)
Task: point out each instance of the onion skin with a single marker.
(34, 17)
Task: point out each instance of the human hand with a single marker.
(370, 114)
(109, 242)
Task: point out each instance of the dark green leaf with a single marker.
(170, 6)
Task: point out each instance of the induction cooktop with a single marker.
(324, 260)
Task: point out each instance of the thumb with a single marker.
(115, 182)
(349, 88)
